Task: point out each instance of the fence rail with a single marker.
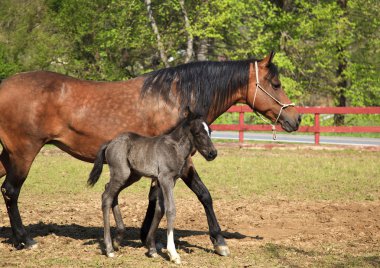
(316, 128)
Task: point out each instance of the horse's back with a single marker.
(77, 115)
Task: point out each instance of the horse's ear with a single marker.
(267, 60)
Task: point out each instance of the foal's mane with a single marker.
(200, 85)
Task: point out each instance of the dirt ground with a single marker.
(259, 232)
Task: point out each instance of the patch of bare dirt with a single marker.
(70, 226)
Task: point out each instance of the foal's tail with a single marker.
(98, 165)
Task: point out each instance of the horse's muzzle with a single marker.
(291, 125)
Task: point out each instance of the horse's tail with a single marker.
(98, 165)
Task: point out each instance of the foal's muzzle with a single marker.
(211, 155)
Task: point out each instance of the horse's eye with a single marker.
(276, 86)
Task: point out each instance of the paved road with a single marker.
(296, 138)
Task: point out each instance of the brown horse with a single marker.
(78, 116)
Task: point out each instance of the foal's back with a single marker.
(146, 156)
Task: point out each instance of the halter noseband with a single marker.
(283, 106)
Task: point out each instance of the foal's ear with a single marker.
(267, 60)
(189, 115)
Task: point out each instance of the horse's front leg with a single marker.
(193, 181)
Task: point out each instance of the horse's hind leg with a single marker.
(17, 168)
(2, 168)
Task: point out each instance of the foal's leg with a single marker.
(120, 227)
(117, 181)
(193, 181)
(158, 214)
(167, 185)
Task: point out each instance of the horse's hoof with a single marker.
(33, 246)
(110, 254)
(29, 244)
(222, 250)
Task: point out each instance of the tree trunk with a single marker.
(190, 39)
(342, 80)
(160, 45)
(202, 50)
(342, 85)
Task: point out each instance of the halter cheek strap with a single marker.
(283, 106)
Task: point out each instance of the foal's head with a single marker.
(202, 138)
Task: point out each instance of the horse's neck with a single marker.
(213, 114)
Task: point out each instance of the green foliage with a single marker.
(7, 67)
(325, 49)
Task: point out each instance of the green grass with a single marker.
(296, 174)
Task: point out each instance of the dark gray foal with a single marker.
(162, 158)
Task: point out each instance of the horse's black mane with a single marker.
(201, 84)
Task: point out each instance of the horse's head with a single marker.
(202, 137)
(266, 95)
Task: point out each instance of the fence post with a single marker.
(316, 129)
(241, 125)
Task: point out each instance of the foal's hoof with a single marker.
(116, 245)
(152, 254)
(222, 250)
(118, 239)
(110, 254)
(175, 259)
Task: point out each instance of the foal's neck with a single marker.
(183, 137)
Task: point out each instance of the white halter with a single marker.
(283, 106)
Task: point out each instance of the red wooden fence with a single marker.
(316, 129)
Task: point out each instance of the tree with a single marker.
(327, 51)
